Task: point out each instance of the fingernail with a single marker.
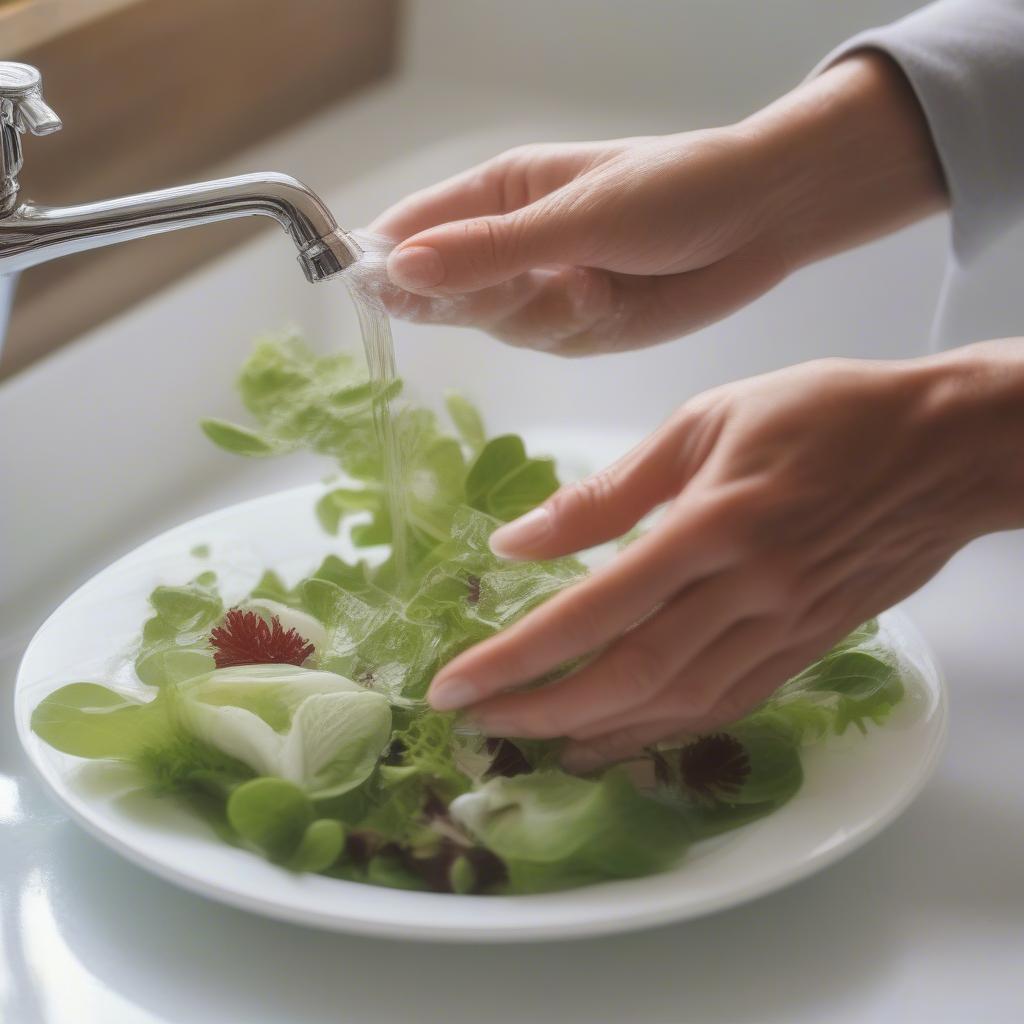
(525, 532)
(455, 693)
(416, 267)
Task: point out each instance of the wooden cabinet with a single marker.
(152, 93)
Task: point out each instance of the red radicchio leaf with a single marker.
(246, 638)
(361, 846)
(435, 867)
(714, 767)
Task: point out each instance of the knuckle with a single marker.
(526, 153)
(838, 366)
(727, 515)
(760, 519)
(512, 174)
(483, 244)
(681, 421)
(586, 497)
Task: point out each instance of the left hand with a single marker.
(799, 504)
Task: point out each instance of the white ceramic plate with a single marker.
(855, 785)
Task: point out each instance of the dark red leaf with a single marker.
(714, 767)
(435, 868)
(246, 638)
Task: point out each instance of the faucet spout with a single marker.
(31, 233)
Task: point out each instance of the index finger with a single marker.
(504, 183)
(472, 193)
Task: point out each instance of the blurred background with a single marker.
(112, 357)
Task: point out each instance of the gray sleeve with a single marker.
(965, 61)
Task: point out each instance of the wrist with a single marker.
(970, 407)
(846, 157)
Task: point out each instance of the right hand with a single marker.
(601, 246)
(589, 247)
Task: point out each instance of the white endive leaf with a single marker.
(292, 618)
(336, 740)
(317, 729)
(236, 732)
(271, 691)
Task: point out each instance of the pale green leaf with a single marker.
(239, 440)
(90, 720)
(467, 420)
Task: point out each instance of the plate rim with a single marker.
(617, 918)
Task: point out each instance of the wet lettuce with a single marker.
(295, 720)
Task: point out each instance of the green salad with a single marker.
(295, 721)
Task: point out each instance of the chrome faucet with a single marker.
(31, 233)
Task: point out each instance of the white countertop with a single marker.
(97, 452)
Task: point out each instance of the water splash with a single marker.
(379, 348)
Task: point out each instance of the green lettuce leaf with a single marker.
(858, 682)
(313, 728)
(304, 401)
(467, 420)
(90, 720)
(430, 746)
(175, 641)
(271, 587)
(277, 818)
(339, 766)
(181, 764)
(505, 482)
(325, 404)
(554, 829)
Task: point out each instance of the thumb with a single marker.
(603, 506)
(467, 255)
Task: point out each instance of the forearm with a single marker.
(847, 157)
(965, 62)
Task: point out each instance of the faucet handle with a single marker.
(21, 99)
